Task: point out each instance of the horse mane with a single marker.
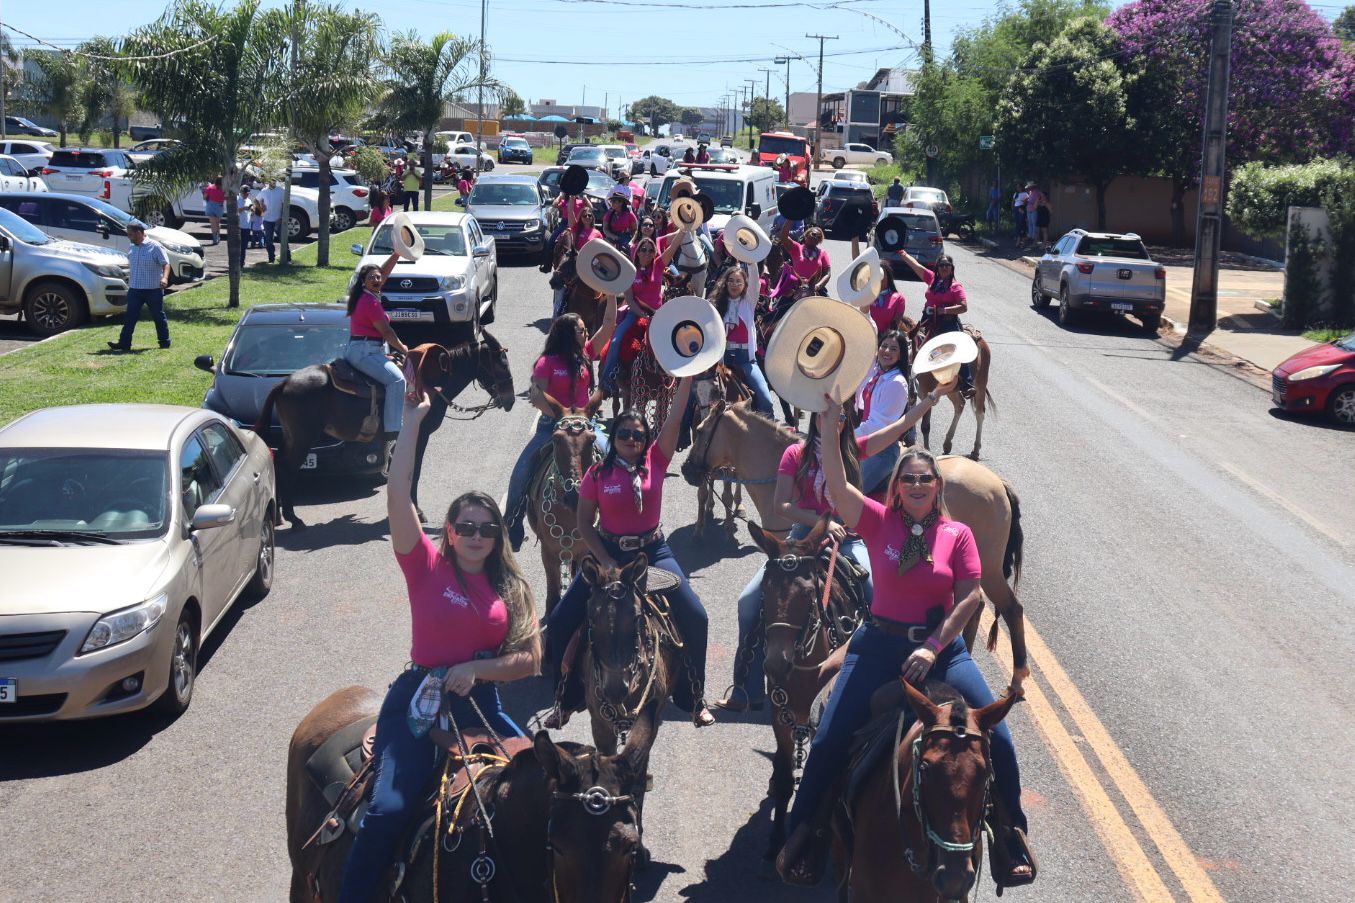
(942, 693)
(777, 426)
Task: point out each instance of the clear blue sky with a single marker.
(522, 34)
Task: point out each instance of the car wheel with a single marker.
(1151, 322)
(489, 165)
(653, 170)
(262, 581)
(1341, 405)
(839, 162)
(183, 669)
(52, 307)
(342, 220)
(1037, 296)
(1067, 316)
(881, 162)
(156, 218)
(298, 224)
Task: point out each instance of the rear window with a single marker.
(1130, 248)
(916, 220)
(931, 197)
(850, 193)
(78, 159)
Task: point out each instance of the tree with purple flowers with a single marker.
(1292, 93)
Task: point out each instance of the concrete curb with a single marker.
(1267, 309)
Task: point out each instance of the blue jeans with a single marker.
(1032, 213)
(154, 298)
(370, 358)
(401, 778)
(750, 610)
(613, 361)
(688, 613)
(270, 237)
(741, 359)
(522, 470)
(876, 469)
(411, 199)
(874, 659)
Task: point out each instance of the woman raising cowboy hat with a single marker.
(945, 301)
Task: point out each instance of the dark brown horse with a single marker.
(579, 297)
(309, 407)
(915, 828)
(565, 823)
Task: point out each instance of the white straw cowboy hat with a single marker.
(405, 238)
(687, 335)
(687, 213)
(745, 240)
(858, 283)
(943, 354)
(605, 269)
(822, 346)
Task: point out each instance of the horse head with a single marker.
(492, 372)
(945, 767)
(593, 832)
(614, 613)
(572, 444)
(712, 447)
(791, 613)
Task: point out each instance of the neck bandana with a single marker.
(637, 472)
(916, 548)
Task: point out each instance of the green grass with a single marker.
(77, 368)
(545, 156)
(1326, 334)
(881, 176)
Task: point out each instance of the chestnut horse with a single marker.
(734, 436)
(917, 333)
(566, 813)
(579, 297)
(914, 830)
(719, 383)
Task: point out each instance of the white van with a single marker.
(734, 188)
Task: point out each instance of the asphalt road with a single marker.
(1189, 580)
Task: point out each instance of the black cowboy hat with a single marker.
(707, 206)
(853, 221)
(796, 204)
(574, 181)
(891, 233)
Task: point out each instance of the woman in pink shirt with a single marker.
(381, 208)
(624, 492)
(945, 301)
(808, 263)
(214, 206)
(927, 570)
(370, 335)
(888, 305)
(644, 296)
(473, 625)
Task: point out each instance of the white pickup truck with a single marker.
(854, 153)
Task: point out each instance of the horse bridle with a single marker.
(476, 410)
(596, 801)
(933, 840)
(623, 718)
(700, 463)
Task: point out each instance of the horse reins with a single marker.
(705, 472)
(476, 411)
(649, 638)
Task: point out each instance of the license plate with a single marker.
(1125, 274)
(70, 177)
(310, 462)
(1120, 305)
(410, 315)
(1277, 398)
(9, 690)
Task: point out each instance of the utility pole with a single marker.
(927, 28)
(284, 233)
(752, 92)
(480, 101)
(818, 103)
(766, 92)
(786, 60)
(1209, 221)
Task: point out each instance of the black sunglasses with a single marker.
(916, 479)
(470, 528)
(625, 434)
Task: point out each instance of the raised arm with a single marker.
(604, 334)
(847, 499)
(917, 268)
(668, 435)
(389, 266)
(884, 437)
(670, 249)
(405, 525)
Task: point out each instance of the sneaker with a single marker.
(164, 344)
(114, 346)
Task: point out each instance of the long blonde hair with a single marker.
(891, 497)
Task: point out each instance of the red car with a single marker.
(1320, 378)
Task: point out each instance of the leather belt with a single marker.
(633, 543)
(364, 338)
(913, 633)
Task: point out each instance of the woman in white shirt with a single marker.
(883, 398)
(735, 298)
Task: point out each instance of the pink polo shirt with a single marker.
(954, 295)
(582, 238)
(909, 596)
(615, 498)
(554, 370)
(366, 314)
(648, 285)
(451, 617)
(807, 267)
(886, 310)
(805, 496)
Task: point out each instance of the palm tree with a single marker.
(106, 91)
(328, 86)
(55, 89)
(422, 78)
(214, 72)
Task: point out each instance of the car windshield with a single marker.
(277, 349)
(440, 240)
(515, 142)
(771, 144)
(585, 153)
(492, 195)
(614, 152)
(1130, 248)
(22, 229)
(725, 194)
(723, 155)
(120, 494)
(850, 192)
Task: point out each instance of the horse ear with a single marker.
(594, 402)
(592, 572)
(925, 709)
(815, 535)
(992, 714)
(765, 541)
(636, 573)
(555, 762)
(490, 341)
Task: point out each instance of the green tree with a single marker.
(512, 105)
(327, 88)
(1066, 113)
(10, 60)
(658, 110)
(215, 73)
(423, 77)
(1344, 26)
(105, 92)
(55, 88)
(690, 116)
(765, 114)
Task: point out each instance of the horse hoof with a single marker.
(766, 870)
(643, 857)
(297, 523)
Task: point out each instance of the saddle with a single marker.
(341, 768)
(347, 379)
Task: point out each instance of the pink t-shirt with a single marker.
(583, 238)
(954, 295)
(648, 284)
(805, 496)
(578, 202)
(378, 214)
(366, 314)
(451, 618)
(616, 499)
(807, 267)
(885, 311)
(214, 193)
(554, 369)
(463, 188)
(909, 596)
(622, 223)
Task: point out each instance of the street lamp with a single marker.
(752, 92)
(786, 61)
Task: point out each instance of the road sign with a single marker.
(985, 142)
(561, 131)
(933, 150)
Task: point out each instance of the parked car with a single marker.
(924, 198)
(1318, 379)
(835, 196)
(93, 222)
(907, 229)
(590, 156)
(1102, 271)
(618, 161)
(88, 170)
(454, 284)
(14, 177)
(148, 150)
(349, 200)
(270, 342)
(566, 150)
(858, 154)
(514, 149)
(465, 155)
(144, 132)
(514, 211)
(849, 175)
(127, 531)
(17, 125)
(32, 155)
(750, 190)
(455, 138)
(57, 285)
(654, 162)
(599, 186)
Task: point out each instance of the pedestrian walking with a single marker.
(148, 277)
(412, 181)
(271, 198)
(894, 194)
(1042, 215)
(1019, 215)
(381, 208)
(464, 182)
(214, 206)
(1034, 197)
(243, 209)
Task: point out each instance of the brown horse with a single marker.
(927, 799)
(579, 297)
(917, 333)
(553, 494)
(719, 383)
(309, 407)
(566, 813)
(736, 437)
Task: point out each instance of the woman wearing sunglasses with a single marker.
(624, 492)
(945, 301)
(473, 624)
(927, 570)
(644, 296)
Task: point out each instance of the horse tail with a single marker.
(1013, 555)
(265, 420)
(989, 404)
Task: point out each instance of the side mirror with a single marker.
(209, 516)
(102, 229)
(480, 252)
(1050, 250)
(205, 363)
(755, 210)
(356, 249)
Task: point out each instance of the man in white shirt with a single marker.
(1019, 213)
(272, 215)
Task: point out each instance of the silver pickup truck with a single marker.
(57, 285)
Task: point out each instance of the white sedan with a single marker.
(464, 156)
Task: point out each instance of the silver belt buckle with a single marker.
(628, 543)
(918, 633)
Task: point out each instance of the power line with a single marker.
(684, 61)
(119, 59)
